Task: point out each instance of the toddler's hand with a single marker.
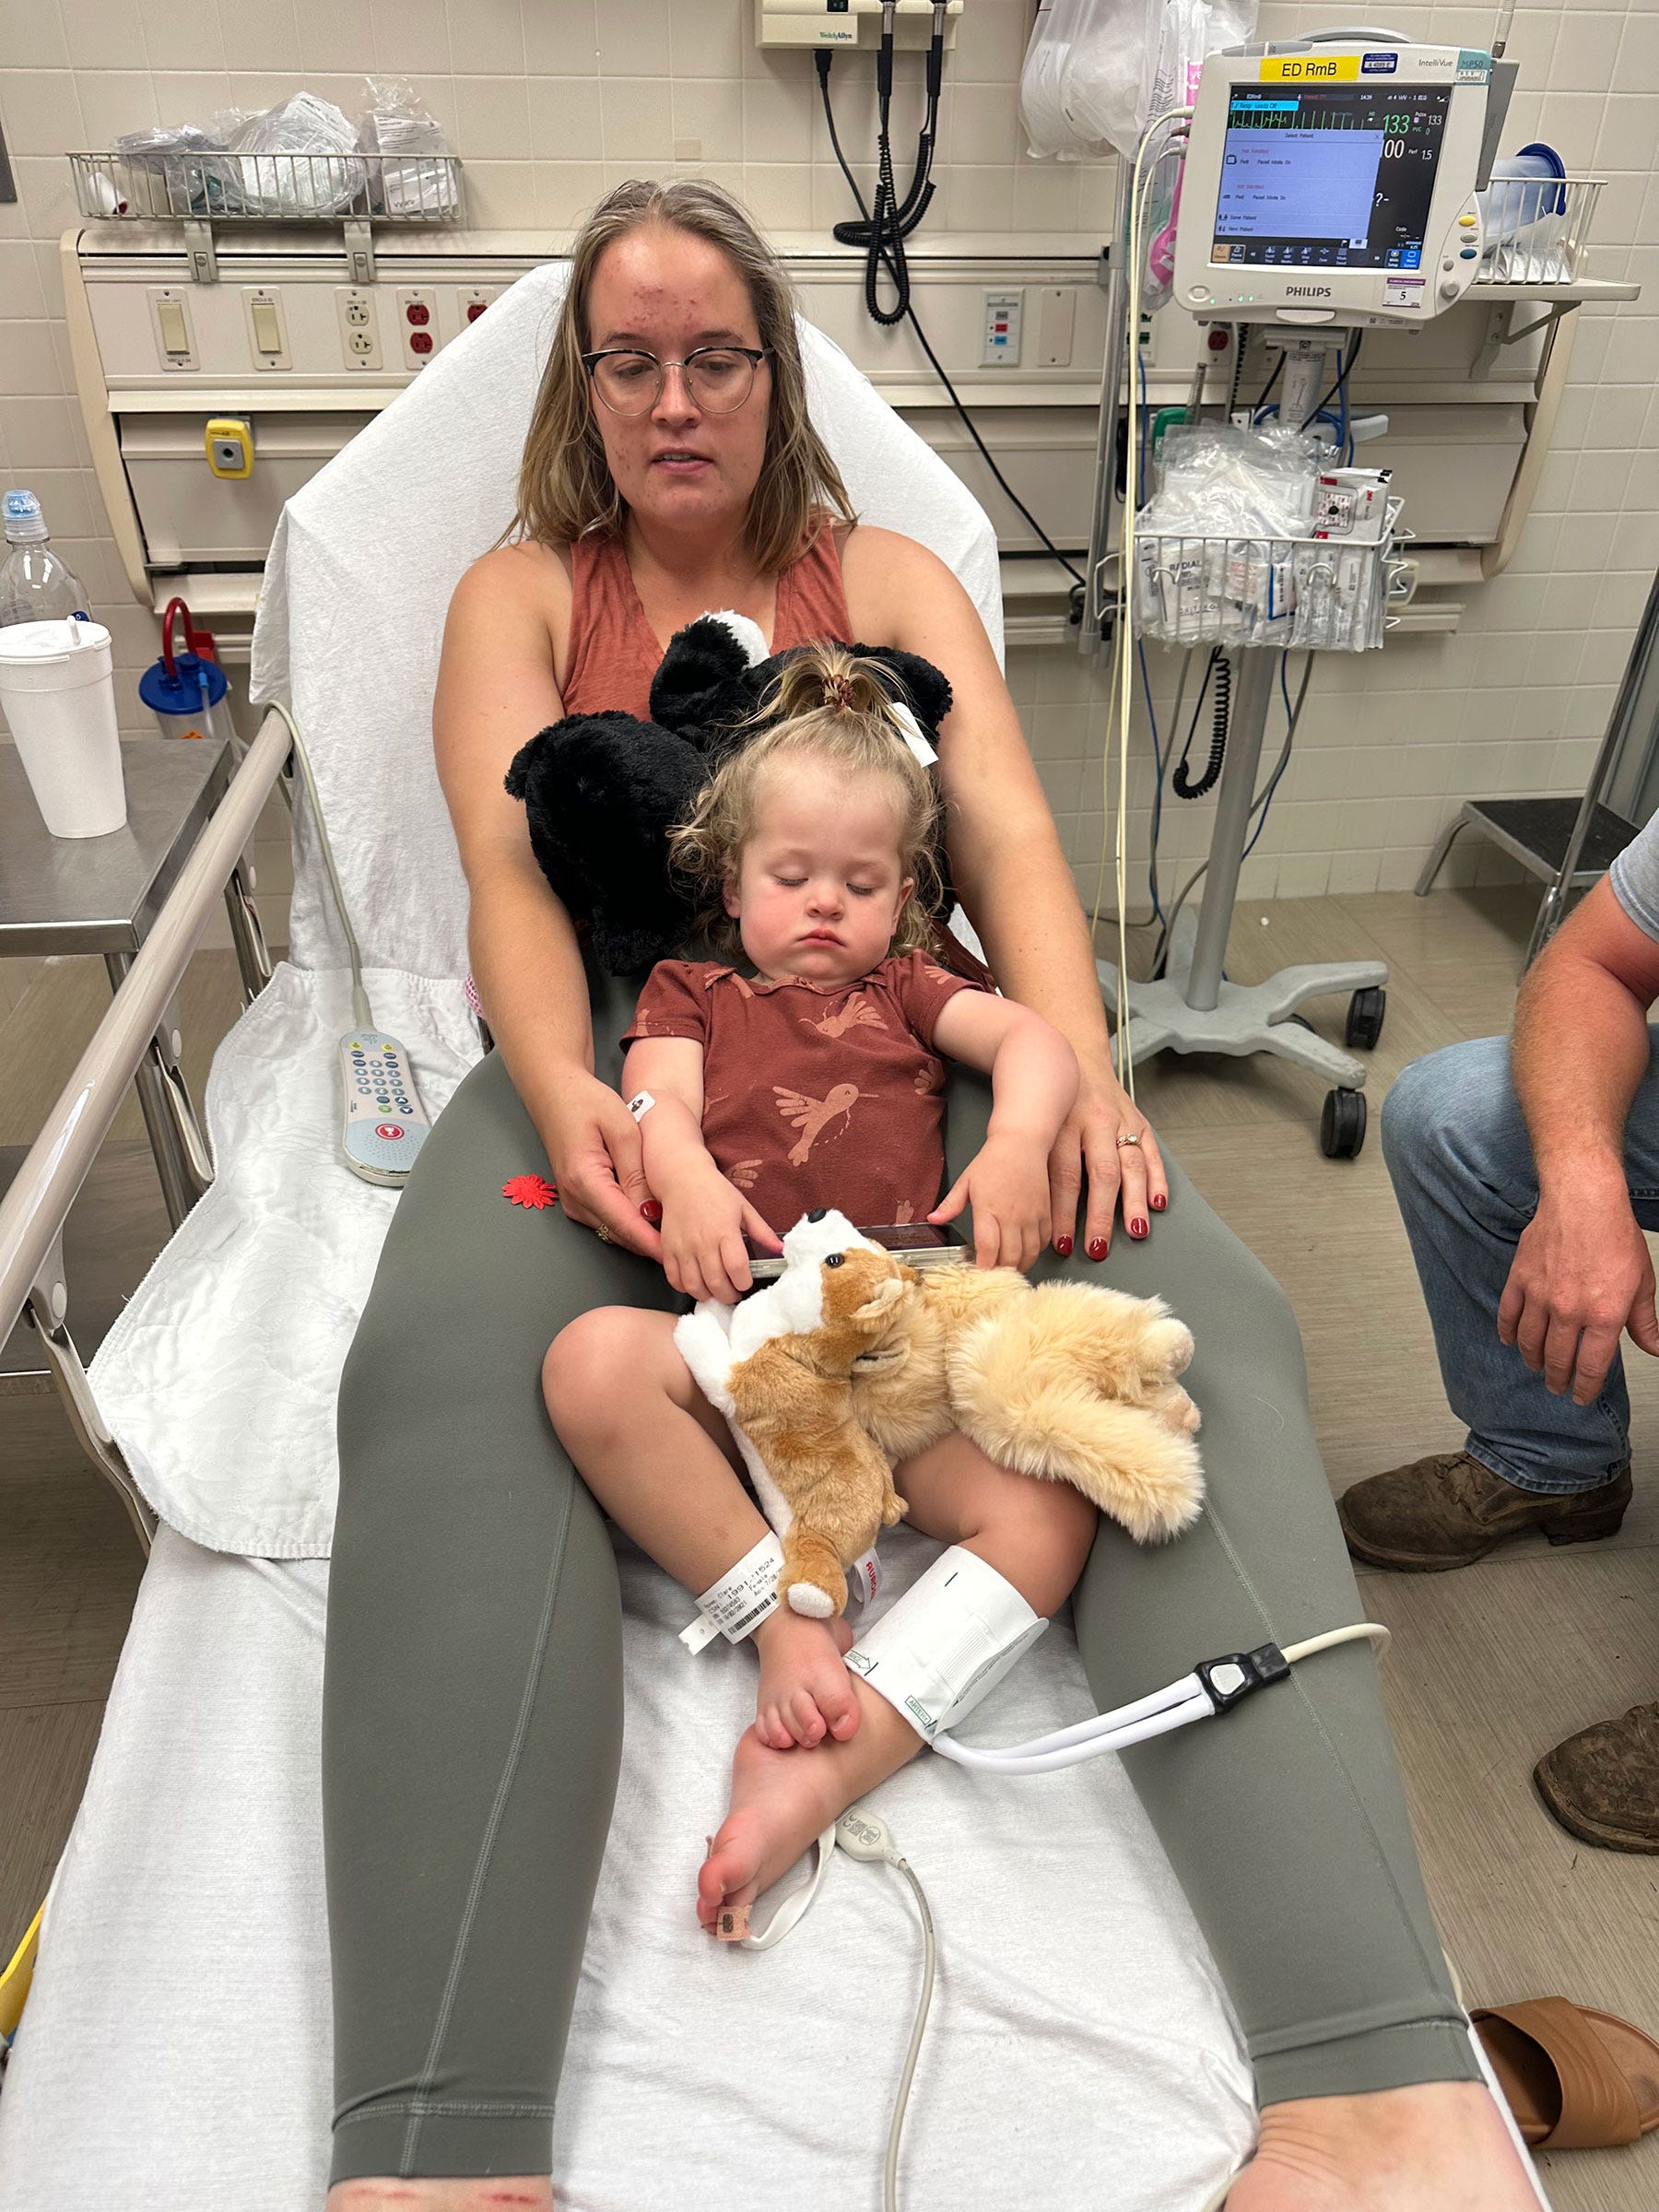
(704, 1221)
(1007, 1185)
(806, 1690)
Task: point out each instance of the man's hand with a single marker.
(1582, 1275)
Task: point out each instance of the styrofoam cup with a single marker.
(57, 693)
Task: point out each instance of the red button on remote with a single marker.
(390, 1130)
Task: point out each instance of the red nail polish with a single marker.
(1062, 1245)
(1158, 1204)
(1096, 1248)
(652, 1211)
(1137, 1228)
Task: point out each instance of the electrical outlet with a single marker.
(473, 299)
(999, 337)
(417, 322)
(359, 326)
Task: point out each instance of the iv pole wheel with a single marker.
(1365, 1016)
(1342, 1124)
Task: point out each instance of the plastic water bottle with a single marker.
(35, 584)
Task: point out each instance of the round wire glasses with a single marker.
(718, 378)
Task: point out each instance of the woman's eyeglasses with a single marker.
(718, 378)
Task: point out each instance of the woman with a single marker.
(471, 1721)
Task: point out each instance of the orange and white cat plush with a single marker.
(851, 1360)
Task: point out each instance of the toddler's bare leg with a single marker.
(660, 1460)
(1037, 1534)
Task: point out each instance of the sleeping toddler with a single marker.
(809, 1071)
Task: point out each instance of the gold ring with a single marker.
(1128, 1140)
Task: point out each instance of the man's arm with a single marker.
(1581, 1274)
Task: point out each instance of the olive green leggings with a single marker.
(472, 1712)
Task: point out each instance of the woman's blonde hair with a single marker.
(565, 488)
(830, 705)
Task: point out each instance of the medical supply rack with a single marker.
(200, 189)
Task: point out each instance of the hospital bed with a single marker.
(175, 2050)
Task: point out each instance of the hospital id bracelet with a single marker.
(736, 1604)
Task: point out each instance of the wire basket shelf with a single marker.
(1324, 595)
(269, 188)
(1537, 229)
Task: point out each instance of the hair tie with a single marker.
(838, 693)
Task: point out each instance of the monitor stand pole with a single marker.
(1194, 1008)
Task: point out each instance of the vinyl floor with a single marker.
(1488, 1667)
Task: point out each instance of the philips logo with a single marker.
(1307, 291)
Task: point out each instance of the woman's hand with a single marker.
(1006, 1183)
(704, 1222)
(1089, 1143)
(593, 1149)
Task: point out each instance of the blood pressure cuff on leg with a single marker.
(946, 1642)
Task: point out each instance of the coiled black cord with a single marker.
(883, 231)
(1219, 674)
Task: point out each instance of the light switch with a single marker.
(175, 337)
(267, 328)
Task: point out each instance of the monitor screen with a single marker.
(1328, 176)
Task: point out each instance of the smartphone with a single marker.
(917, 1244)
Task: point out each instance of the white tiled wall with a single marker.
(550, 102)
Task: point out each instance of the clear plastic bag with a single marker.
(316, 169)
(167, 173)
(1096, 72)
(399, 136)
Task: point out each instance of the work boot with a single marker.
(1449, 1509)
(1603, 1784)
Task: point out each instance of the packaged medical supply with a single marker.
(394, 132)
(327, 180)
(1351, 502)
(36, 585)
(58, 696)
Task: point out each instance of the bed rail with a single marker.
(34, 1210)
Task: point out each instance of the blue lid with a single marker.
(181, 692)
(1547, 153)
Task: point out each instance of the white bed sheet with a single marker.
(175, 2052)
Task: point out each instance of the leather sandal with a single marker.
(1575, 2079)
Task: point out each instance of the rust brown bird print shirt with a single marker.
(816, 1094)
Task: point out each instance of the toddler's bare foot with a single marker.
(1438, 2147)
(806, 1690)
(780, 1803)
(495, 2193)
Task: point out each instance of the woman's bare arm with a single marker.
(1007, 866)
(496, 688)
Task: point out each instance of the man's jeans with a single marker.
(1461, 1163)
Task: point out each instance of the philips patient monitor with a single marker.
(1332, 183)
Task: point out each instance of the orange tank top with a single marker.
(614, 650)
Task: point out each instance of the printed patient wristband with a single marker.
(736, 1604)
(946, 1642)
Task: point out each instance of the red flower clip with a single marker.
(533, 1191)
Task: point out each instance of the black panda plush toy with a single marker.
(601, 792)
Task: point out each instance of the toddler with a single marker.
(808, 1072)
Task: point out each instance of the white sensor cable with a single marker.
(1214, 1686)
(861, 1836)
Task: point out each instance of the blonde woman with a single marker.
(472, 1714)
